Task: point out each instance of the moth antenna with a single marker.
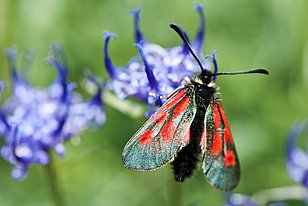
(180, 32)
(251, 71)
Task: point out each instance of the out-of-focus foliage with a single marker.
(272, 34)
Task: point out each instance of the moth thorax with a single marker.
(203, 95)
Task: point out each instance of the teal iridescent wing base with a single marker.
(220, 161)
(157, 142)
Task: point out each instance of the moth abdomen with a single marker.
(186, 162)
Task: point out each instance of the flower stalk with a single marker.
(53, 182)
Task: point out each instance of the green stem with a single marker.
(280, 194)
(54, 183)
(175, 192)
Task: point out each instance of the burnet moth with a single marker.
(191, 122)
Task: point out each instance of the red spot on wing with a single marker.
(216, 116)
(217, 140)
(229, 158)
(181, 107)
(146, 138)
(172, 100)
(161, 113)
(227, 132)
(217, 144)
(162, 120)
(167, 132)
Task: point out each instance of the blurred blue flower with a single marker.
(239, 200)
(297, 158)
(34, 120)
(158, 72)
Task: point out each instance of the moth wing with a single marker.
(167, 131)
(220, 161)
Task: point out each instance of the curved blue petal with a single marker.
(63, 112)
(17, 80)
(96, 107)
(138, 34)
(59, 55)
(152, 81)
(197, 45)
(108, 62)
(61, 77)
(61, 71)
(97, 98)
(213, 58)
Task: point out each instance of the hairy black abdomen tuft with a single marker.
(186, 162)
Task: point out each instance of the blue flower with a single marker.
(239, 200)
(158, 72)
(34, 120)
(297, 158)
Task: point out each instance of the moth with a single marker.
(190, 124)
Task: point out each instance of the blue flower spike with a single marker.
(214, 61)
(107, 60)
(35, 121)
(158, 72)
(148, 70)
(138, 34)
(97, 113)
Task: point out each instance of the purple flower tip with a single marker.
(214, 61)
(197, 45)
(150, 75)
(108, 35)
(138, 34)
(199, 7)
(58, 67)
(17, 80)
(59, 55)
(11, 53)
(136, 12)
(97, 98)
(108, 62)
(56, 47)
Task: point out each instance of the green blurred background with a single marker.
(272, 34)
